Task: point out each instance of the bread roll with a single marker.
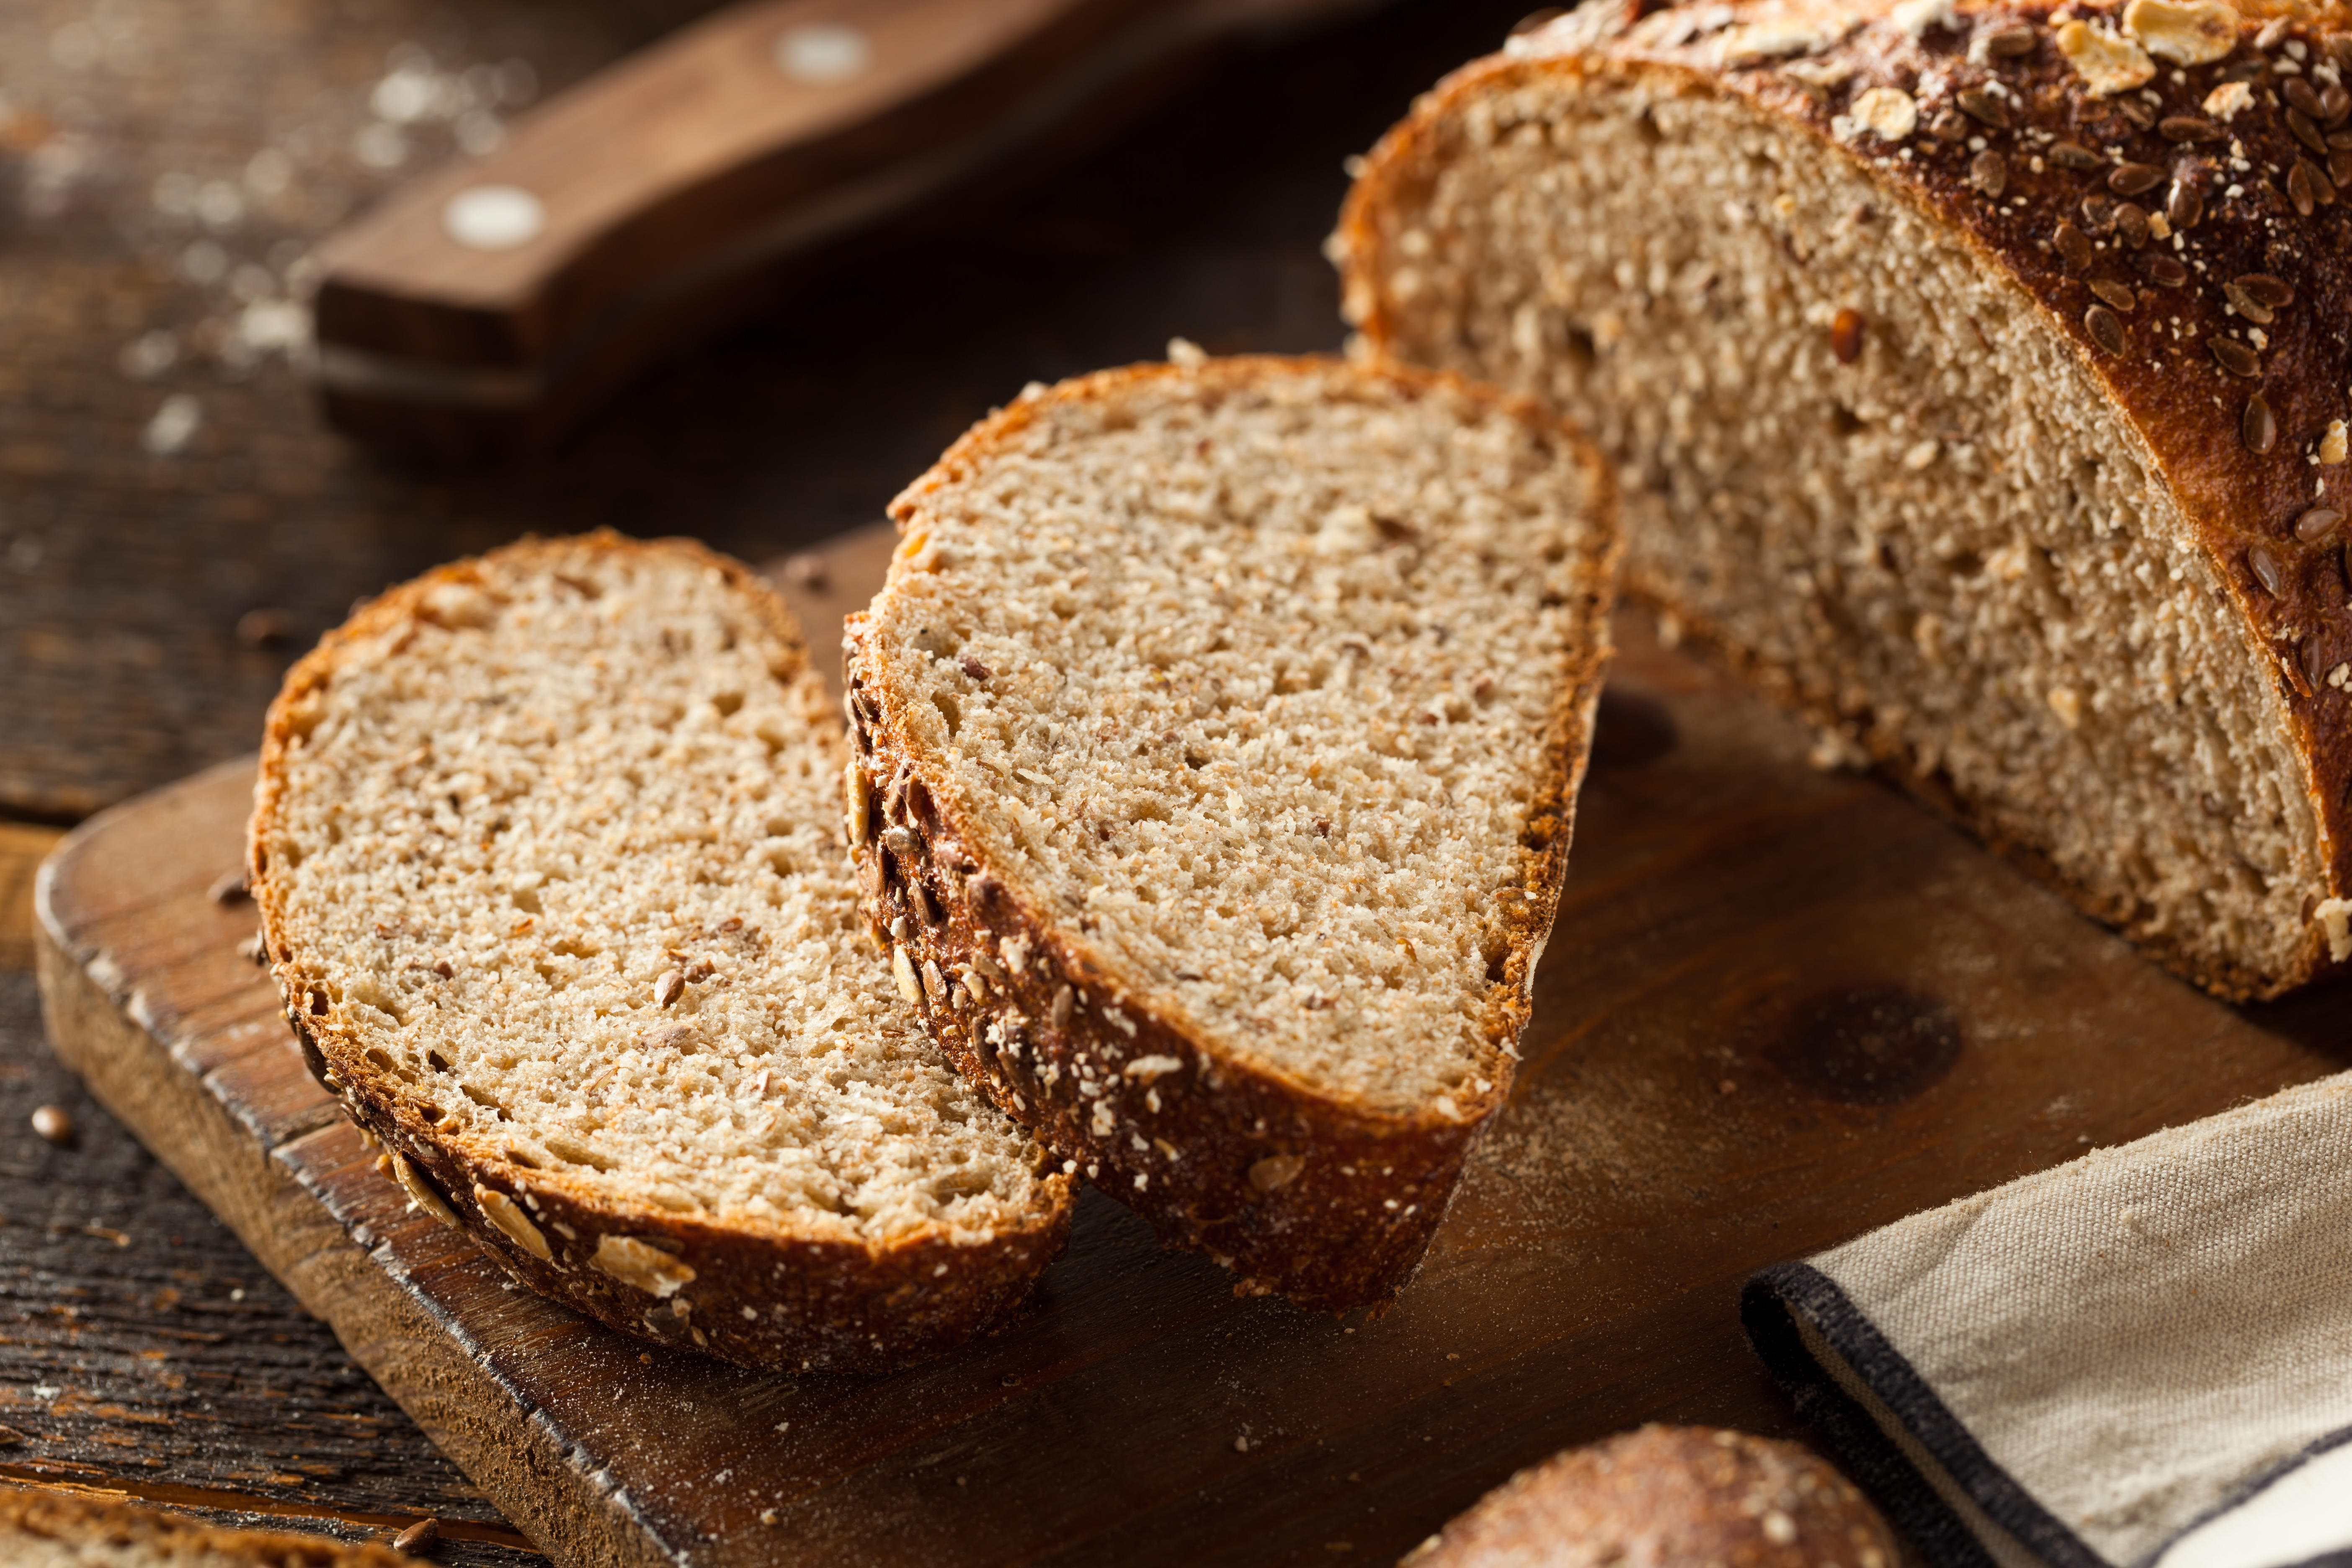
(1668, 1497)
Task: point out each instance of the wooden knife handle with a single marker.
(493, 296)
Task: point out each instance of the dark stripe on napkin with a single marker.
(1769, 1308)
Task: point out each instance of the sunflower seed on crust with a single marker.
(2105, 328)
(2235, 357)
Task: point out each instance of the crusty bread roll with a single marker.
(1218, 734)
(1668, 1497)
(44, 1528)
(548, 854)
(1977, 377)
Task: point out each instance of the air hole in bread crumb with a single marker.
(572, 1151)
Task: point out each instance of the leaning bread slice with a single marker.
(547, 850)
(1977, 377)
(1219, 730)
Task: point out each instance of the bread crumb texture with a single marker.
(44, 1529)
(1861, 455)
(1669, 1495)
(549, 848)
(1250, 677)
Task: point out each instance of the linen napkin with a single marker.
(2142, 1359)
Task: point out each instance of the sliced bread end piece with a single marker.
(547, 851)
(1218, 734)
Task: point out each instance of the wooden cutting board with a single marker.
(1781, 1008)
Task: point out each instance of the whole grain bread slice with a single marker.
(43, 1527)
(1218, 733)
(549, 871)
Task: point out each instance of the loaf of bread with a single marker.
(44, 1528)
(1668, 1497)
(1976, 378)
(1218, 733)
(547, 848)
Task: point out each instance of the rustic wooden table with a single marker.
(176, 525)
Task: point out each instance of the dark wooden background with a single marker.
(163, 167)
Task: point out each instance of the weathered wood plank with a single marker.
(21, 850)
(144, 1351)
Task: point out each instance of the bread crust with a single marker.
(76, 1518)
(1329, 1203)
(2288, 222)
(816, 1303)
(1668, 1494)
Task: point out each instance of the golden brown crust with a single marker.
(1326, 1202)
(815, 1303)
(74, 1518)
(2273, 205)
(1668, 1494)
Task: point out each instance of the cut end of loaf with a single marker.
(1994, 518)
(547, 848)
(1218, 736)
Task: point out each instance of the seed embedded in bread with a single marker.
(1269, 782)
(665, 1080)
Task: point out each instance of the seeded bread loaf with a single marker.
(1977, 377)
(1664, 1496)
(44, 1528)
(547, 851)
(1218, 735)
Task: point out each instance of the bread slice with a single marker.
(40, 1527)
(547, 850)
(1219, 730)
(1976, 378)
